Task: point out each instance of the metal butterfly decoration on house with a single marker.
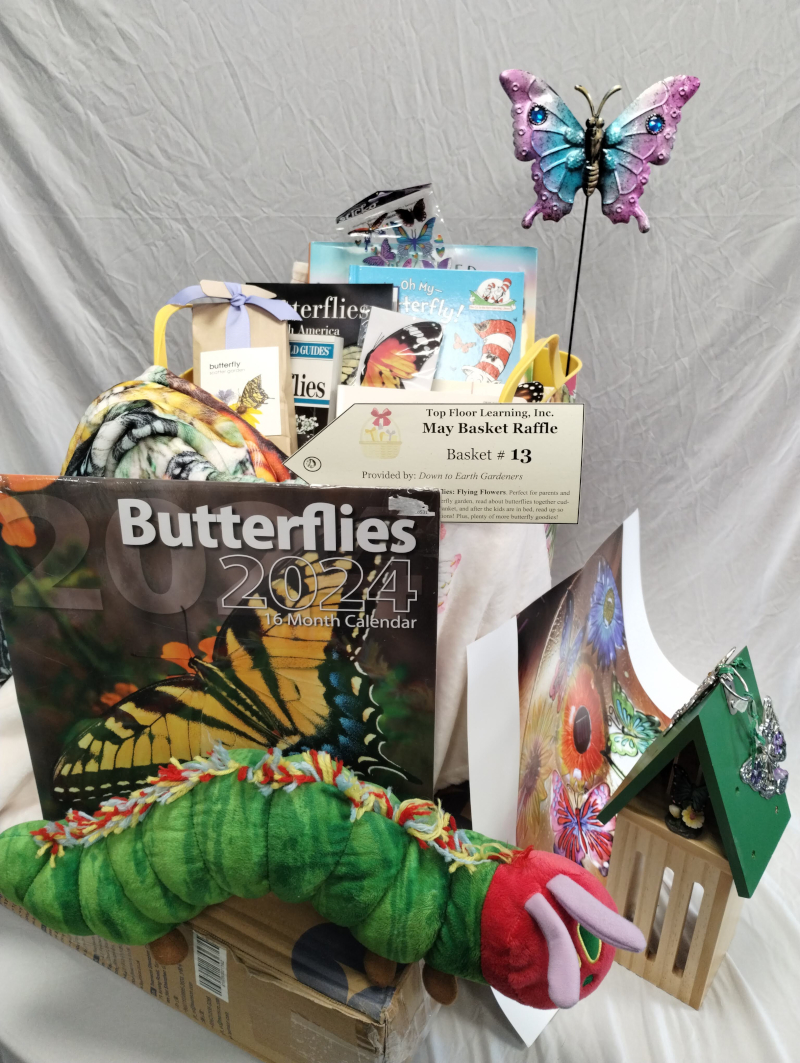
(762, 771)
(566, 157)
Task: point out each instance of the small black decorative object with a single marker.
(687, 805)
(530, 391)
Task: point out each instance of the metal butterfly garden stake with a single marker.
(565, 157)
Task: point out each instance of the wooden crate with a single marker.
(643, 847)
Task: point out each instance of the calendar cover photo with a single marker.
(148, 620)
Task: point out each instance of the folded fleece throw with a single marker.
(162, 427)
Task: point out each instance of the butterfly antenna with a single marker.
(585, 92)
(617, 88)
(186, 625)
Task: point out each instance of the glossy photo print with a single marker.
(148, 620)
(585, 718)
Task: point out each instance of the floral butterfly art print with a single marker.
(585, 718)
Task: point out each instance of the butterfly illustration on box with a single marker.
(565, 157)
(577, 831)
(637, 730)
(569, 649)
(252, 397)
(269, 682)
(399, 357)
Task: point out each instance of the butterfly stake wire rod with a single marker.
(591, 175)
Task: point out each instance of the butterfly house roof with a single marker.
(750, 825)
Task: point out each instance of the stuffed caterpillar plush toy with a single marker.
(399, 875)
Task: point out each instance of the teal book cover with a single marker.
(329, 263)
(480, 314)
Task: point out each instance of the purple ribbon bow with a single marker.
(237, 325)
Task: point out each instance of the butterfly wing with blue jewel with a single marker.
(549, 136)
(642, 135)
(568, 650)
(638, 731)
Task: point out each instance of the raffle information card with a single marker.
(499, 463)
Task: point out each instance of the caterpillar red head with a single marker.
(549, 931)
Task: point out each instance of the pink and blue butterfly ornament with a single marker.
(565, 157)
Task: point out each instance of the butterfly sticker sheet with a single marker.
(269, 620)
(399, 228)
(567, 157)
(584, 717)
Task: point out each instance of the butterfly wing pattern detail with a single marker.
(637, 730)
(568, 651)
(548, 135)
(403, 354)
(269, 683)
(642, 135)
(578, 832)
(410, 215)
(416, 243)
(382, 257)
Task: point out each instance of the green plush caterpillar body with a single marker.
(223, 838)
(399, 875)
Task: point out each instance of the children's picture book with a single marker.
(329, 263)
(399, 352)
(335, 310)
(480, 315)
(153, 619)
(316, 363)
(248, 380)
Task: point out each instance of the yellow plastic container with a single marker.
(545, 362)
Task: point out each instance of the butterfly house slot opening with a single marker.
(667, 879)
(688, 928)
(634, 885)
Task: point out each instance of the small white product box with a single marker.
(248, 380)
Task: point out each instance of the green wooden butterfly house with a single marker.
(685, 893)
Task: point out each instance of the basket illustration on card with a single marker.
(380, 438)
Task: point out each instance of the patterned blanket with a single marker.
(162, 427)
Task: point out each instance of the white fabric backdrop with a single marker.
(147, 144)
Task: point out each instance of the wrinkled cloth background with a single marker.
(148, 144)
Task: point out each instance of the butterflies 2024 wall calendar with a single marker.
(150, 619)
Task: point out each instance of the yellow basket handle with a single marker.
(526, 363)
(160, 332)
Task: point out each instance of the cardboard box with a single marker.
(208, 334)
(278, 981)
